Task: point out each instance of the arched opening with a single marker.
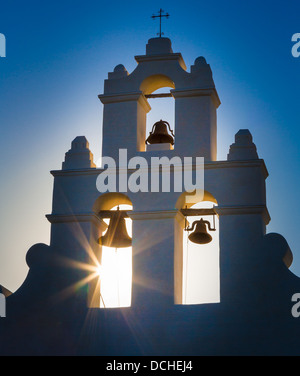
(115, 271)
(162, 108)
(201, 262)
(156, 89)
(155, 82)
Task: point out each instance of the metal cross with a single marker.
(160, 15)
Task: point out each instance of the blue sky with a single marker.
(58, 55)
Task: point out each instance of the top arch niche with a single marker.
(155, 82)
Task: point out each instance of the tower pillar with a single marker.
(124, 119)
(76, 238)
(242, 229)
(157, 258)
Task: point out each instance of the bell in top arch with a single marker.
(160, 134)
(116, 235)
(200, 235)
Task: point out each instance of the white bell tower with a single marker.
(236, 186)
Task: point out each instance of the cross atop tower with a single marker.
(160, 16)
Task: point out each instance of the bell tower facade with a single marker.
(236, 186)
(158, 266)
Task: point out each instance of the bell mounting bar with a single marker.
(161, 95)
(186, 212)
(109, 213)
(198, 212)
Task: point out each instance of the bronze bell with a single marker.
(200, 235)
(116, 235)
(160, 135)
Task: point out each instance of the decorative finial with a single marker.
(160, 16)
